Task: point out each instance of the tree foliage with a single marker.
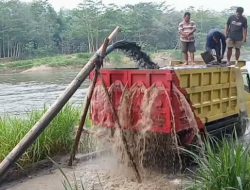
(36, 29)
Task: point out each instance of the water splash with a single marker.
(149, 149)
(189, 115)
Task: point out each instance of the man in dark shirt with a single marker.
(217, 41)
(236, 33)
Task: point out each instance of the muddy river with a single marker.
(23, 92)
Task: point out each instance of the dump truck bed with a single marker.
(212, 91)
(179, 99)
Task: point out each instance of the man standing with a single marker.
(186, 30)
(236, 33)
(217, 41)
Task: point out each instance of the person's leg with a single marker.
(229, 54)
(218, 54)
(229, 50)
(186, 57)
(192, 57)
(185, 51)
(237, 54)
(191, 49)
(237, 50)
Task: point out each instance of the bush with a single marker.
(225, 165)
(57, 138)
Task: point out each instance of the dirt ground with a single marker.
(102, 173)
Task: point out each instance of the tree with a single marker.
(36, 29)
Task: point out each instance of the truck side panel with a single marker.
(212, 91)
(139, 97)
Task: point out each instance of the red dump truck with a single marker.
(180, 99)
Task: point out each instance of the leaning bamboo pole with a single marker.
(48, 116)
(82, 121)
(86, 107)
(123, 137)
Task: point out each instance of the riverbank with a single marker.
(73, 60)
(115, 59)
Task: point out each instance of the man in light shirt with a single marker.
(186, 30)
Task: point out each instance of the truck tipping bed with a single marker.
(180, 100)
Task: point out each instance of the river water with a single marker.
(23, 92)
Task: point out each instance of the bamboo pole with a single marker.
(124, 140)
(40, 125)
(82, 121)
(86, 107)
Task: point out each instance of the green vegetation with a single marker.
(73, 60)
(66, 182)
(35, 29)
(56, 139)
(226, 165)
(117, 59)
(72, 186)
(79, 59)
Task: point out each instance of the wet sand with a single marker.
(101, 173)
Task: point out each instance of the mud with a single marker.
(101, 173)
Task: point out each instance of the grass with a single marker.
(54, 61)
(226, 165)
(75, 60)
(72, 186)
(66, 181)
(56, 139)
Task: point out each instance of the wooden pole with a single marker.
(86, 107)
(124, 140)
(82, 121)
(40, 125)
